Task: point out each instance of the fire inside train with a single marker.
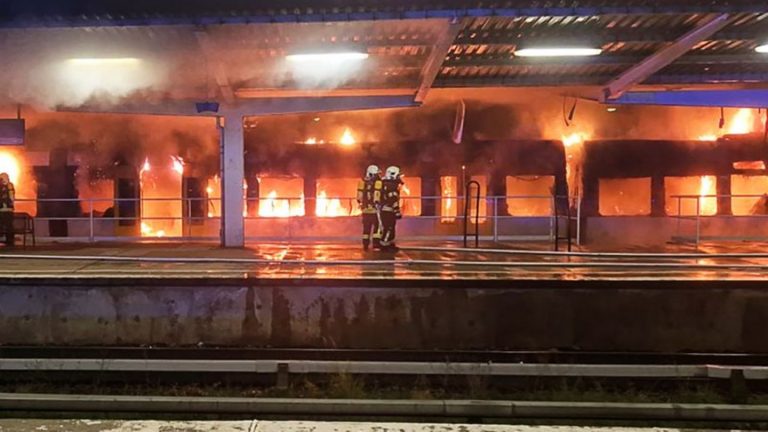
(306, 188)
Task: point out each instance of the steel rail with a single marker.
(41, 404)
(383, 368)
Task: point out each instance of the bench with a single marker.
(24, 225)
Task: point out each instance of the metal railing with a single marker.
(697, 218)
(198, 218)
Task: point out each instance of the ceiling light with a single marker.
(558, 52)
(104, 61)
(327, 57)
(762, 49)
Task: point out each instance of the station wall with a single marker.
(662, 316)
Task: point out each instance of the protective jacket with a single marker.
(7, 196)
(369, 195)
(390, 196)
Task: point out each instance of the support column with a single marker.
(232, 175)
(724, 202)
(659, 196)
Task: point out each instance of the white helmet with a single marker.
(393, 173)
(372, 171)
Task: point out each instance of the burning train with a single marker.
(302, 185)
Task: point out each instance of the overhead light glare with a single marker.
(558, 52)
(327, 57)
(104, 61)
(762, 49)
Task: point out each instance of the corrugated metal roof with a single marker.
(483, 53)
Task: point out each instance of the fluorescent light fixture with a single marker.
(327, 57)
(558, 52)
(762, 49)
(114, 61)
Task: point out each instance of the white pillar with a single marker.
(232, 175)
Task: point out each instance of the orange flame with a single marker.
(9, 164)
(271, 206)
(574, 154)
(311, 141)
(347, 139)
(328, 207)
(177, 163)
(448, 192)
(708, 204)
(12, 163)
(743, 122)
(161, 206)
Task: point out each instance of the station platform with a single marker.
(424, 297)
(416, 261)
(10, 425)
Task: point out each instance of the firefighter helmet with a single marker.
(393, 173)
(372, 171)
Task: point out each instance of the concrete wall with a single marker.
(638, 316)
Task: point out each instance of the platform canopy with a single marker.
(234, 49)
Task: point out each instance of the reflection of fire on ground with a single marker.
(161, 205)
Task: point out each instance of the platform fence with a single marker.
(438, 218)
(695, 225)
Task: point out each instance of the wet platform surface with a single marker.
(11, 425)
(348, 261)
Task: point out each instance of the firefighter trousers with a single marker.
(371, 230)
(388, 222)
(6, 227)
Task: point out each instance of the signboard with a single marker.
(11, 132)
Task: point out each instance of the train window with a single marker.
(410, 196)
(97, 193)
(530, 195)
(694, 190)
(625, 197)
(749, 185)
(281, 197)
(337, 197)
(161, 199)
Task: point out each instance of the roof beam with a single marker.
(563, 79)
(219, 70)
(752, 98)
(436, 58)
(251, 107)
(261, 93)
(659, 60)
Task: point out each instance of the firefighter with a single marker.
(390, 207)
(7, 198)
(369, 199)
